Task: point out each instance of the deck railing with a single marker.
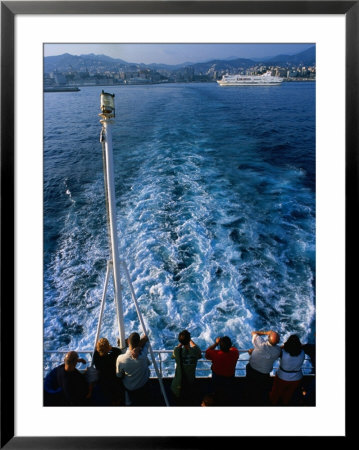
(165, 363)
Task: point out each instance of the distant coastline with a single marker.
(101, 70)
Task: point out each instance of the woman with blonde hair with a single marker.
(105, 362)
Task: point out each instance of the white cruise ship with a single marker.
(265, 79)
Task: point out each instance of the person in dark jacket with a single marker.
(68, 381)
(104, 360)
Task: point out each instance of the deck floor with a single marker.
(241, 395)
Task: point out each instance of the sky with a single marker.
(176, 53)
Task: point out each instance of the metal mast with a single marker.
(107, 115)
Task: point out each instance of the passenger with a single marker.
(289, 375)
(132, 367)
(68, 380)
(186, 354)
(223, 367)
(104, 360)
(260, 365)
(53, 394)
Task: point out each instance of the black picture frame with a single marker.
(9, 9)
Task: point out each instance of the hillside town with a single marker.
(129, 74)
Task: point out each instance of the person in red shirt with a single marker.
(223, 367)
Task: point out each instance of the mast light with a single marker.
(107, 105)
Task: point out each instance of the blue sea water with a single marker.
(215, 195)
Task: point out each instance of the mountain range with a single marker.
(102, 63)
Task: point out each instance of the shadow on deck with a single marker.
(241, 395)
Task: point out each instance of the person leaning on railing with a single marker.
(289, 375)
(104, 360)
(223, 367)
(132, 367)
(186, 355)
(68, 383)
(260, 364)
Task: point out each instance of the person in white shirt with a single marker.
(265, 351)
(289, 375)
(132, 367)
(260, 365)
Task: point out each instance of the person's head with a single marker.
(134, 340)
(225, 343)
(273, 338)
(209, 400)
(103, 346)
(293, 345)
(184, 337)
(71, 359)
